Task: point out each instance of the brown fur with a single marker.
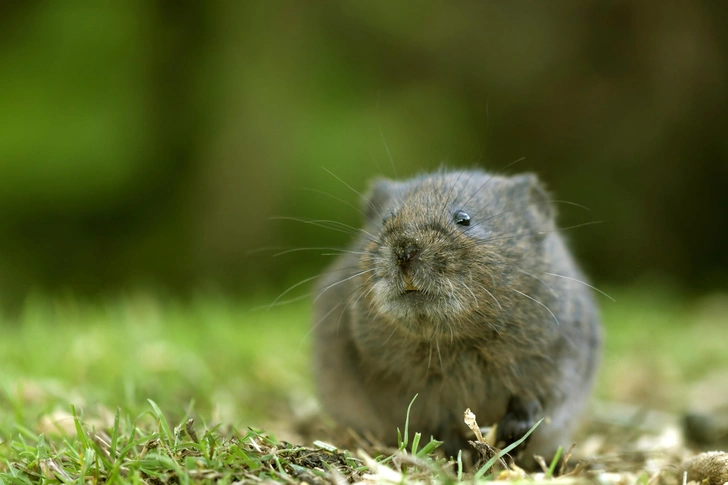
(477, 332)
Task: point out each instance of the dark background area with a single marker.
(150, 143)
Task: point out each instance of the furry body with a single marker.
(458, 289)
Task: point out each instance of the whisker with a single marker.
(302, 282)
(492, 296)
(533, 299)
(489, 179)
(374, 160)
(463, 187)
(453, 298)
(319, 322)
(321, 192)
(576, 280)
(361, 294)
(326, 224)
(591, 223)
(539, 280)
(554, 201)
(394, 329)
(301, 297)
(537, 233)
(341, 281)
(348, 302)
(366, 199)
(315, 222)
(282, 302)
(439, 356)
(292, 288)
(581, 282)
(350, 296)
(389, 154)
(264, 249)
(477, 304)
(429, 360)
(452, 189)
(370, 289)
(340, 251)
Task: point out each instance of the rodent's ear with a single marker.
(531, 188)
(380, 191)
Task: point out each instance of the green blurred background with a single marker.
(149, 143)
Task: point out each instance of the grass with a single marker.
(143, 389)
(229, 361)
(133, 453)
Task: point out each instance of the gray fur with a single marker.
(488, 322)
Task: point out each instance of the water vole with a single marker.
(460, 289)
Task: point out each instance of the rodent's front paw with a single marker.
(520, 416)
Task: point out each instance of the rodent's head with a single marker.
(442, 247)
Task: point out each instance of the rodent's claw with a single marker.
(520, 416)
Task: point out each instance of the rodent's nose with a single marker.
(407, 254)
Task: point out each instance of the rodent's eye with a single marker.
(461, 218)
(387, 217)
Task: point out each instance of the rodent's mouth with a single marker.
(408, 286)
(411, 290)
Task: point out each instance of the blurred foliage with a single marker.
(234, 364)
(242, 364)
(151, 142)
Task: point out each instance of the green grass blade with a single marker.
(403, 440)
(505, 451)
(80, 434)
(416, 443)
(429, 447)
(164, 428)
(115, 433)
(554, 462)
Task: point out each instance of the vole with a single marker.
(459, 288)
